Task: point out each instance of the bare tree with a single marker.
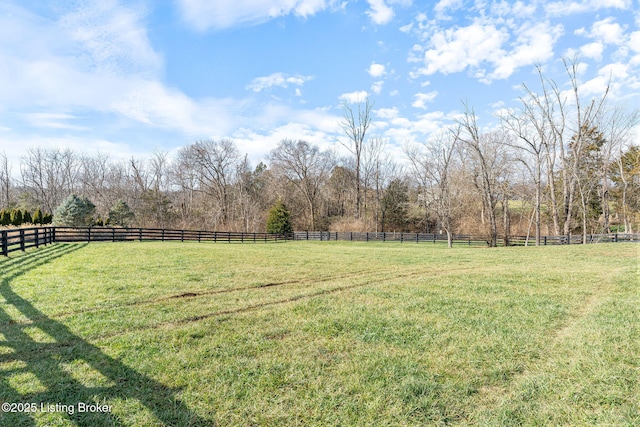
(432, 164)
(531, 140)
(617, 125)
(217, 163)
(306, 167)
(355, 126)
(5, 181)
(486, 156)
(50, 175)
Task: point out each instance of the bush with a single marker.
(16, 217)
(37, 217)
(121, 214)
(5, 217)
(74, 211)
(279, 219)
(26, 217)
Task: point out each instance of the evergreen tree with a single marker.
(37, 217)
(5, 217)
(279, 219)
(121, 214)
(26, 217)
(16, 217)
(75, 212)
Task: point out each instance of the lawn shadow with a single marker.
(43, 363)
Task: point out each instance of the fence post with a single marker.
(615, 238)
(182, 235)
(89, 234)
(22, 239)
(5, 243)
(37, 239)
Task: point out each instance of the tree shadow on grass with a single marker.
(44, 364)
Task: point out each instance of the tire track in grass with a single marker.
(493, 397)
(194, 294)
(369, 280)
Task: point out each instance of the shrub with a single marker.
(37, 217)
(5, 217)
(16, 217)
(74, 211)
(121, 214)
(279, 219)
(26, 217)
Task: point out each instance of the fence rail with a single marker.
(467, 239)
(20, 239)
(23, 238)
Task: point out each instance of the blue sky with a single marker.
(127, 78)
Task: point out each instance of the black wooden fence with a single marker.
(23, 238)
(20, 239)
(467, 239)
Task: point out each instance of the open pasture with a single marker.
(320, 333)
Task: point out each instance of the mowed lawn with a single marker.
(320, 334)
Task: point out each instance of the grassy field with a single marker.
(324, 334)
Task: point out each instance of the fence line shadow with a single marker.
(38, 356)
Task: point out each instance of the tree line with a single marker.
(557, 164)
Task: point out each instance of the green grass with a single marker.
(322, 333)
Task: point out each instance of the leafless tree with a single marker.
(5, 181)
(217, 164)
(487, 159)
(432, 164)
(306, 167)
(355, 126)
(50, 175)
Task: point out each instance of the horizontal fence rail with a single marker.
(460, 238)
(23, 238)
(20, 239)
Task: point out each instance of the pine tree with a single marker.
(37, 217)
(26, 217)
(121, 214)
(75, 212)
(5, 217)
(16, 217)
(279, 219)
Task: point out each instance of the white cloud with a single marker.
(354, 97)
(487, 48)
(634, 41)
(607, 31)
(277, 79)
(380, 13)
(376, 87)
(534, 44)
(219, 14)
(447, 5)
(421, 99)
(592, 51)
(564, 8)
(376, 70)
(453, 50)
(52, 120)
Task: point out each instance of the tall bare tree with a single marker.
(50, 175)
(5, 181)
(217, 163)
(487, 159)
(355, 125)
(306, 167)
(432, 164)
